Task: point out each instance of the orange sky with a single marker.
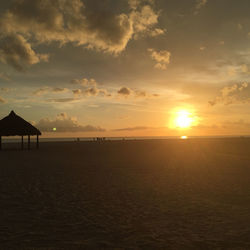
(126, 68)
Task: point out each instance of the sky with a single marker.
(127, 67)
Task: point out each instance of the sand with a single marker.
(152, 194)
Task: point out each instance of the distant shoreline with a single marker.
(16, 140)
(82, 139)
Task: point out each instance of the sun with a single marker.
(183, 119)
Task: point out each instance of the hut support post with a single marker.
(0, 142)
(22, 143)
(37, 141)
(28, 141)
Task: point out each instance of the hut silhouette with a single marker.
(14, 125)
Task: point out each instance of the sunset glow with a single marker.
(183, 119)
(125, 124)
(126, 68)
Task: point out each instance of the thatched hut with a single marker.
(14, 125)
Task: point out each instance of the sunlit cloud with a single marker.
(199, 4)
(2, 100)
(64, 123)
(237, 93)
(46, 90)
(161, 57)
(84, 82)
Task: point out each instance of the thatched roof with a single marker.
(13, 124)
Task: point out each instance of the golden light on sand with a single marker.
(184, 137)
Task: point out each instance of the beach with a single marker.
(137, 194)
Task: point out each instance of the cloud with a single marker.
(92, 91)
(236, 124)
(63, 123)
(143, 18)
(41, 91)
(59, 90)
(133, 4)
(89, 88)
(143, 21)
(237, 93)
(5, 90)
(77, 92)
(139, 93)
(2, 100)
(131, 128)
(4, 76)
(157, 32)
(239, 125)
(161, 57)
(199, 4)
(84, 82)
(71, 21)
(245, 69)
(46, 90)
(62, 100)
(17, 52)
(124, 91)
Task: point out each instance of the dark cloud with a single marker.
(124, 91)
(91, 88)
(63, 123)
(72, 21)
(17, 52)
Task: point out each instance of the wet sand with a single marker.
(152, 194)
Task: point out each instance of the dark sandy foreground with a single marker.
(155, 194)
